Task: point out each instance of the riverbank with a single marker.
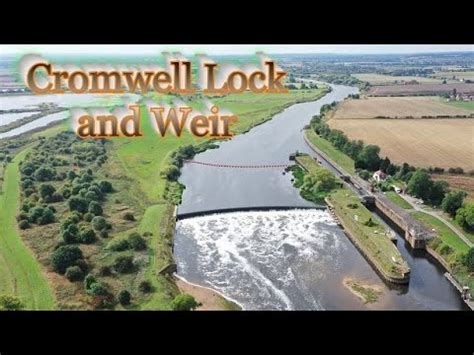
(361, 226)
(208, 299)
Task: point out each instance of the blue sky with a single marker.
(230, 49)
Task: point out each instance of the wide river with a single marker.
(294, 259)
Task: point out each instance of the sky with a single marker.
(230, 49)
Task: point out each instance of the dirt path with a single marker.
(209, 299)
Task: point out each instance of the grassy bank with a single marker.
(21, 274)
(334, 154)
(368, 232)
(398, 200)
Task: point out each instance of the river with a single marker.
(283, 259)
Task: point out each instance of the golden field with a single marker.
(420, 142)
(399, 107)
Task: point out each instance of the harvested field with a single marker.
(400, 107)
(443, 142)
(421, 89)
(462, 182)
(380, 79)
(465, 75)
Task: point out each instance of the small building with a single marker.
(379, 176)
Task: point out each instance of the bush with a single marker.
(64, 257)
(68, 237)
(78, 204)
(97, 289)
(128, 216)
(124, 297)
(46, 218)
(105, 186)
(74, 273)
(468, 260)
(465, 217)
(88, 216)
(145, 286)
(453, 201)
(136, 241)
(99, 223)
(105, 271)
(46, 190)
(184, 302)
(89, 280)
(87, 236)
(123, 264)
(23, 224)
(10, 303)
(94, 208)
(119, 244)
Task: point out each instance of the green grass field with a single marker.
(398, 200)
(336, 155)
(21, 274)
(467, 105)
(373, 239)
(445, 234)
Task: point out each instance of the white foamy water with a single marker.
(8, 118)
(262, 260)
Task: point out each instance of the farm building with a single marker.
(379, 176)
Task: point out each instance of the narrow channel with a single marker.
(283, 259)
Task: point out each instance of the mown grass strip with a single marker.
(21, 274)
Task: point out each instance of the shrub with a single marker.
(105, 186)
(123, 264)
(136, 241)
(68, 237)
(87, 236)
(145, 286)
(184, 302)
(97, 289)
(10, 303)
(119, 244)
(74, 273)
(65, 256)
(46, 190)
(44, 174)
(46, 218)
(88, 216)
(124, 297)
(94, 208)
(105, 271)
(468, 260)
(128, 216)
(78, 204)
(23, 224)
(99, 223)
(89, 280)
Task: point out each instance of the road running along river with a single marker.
(283, 259)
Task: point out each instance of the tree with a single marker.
(437, 192)
(368, 158)
(10, 303)
(465, 217)
(184, 302)
(420, 184)
(99, 223)
(64, 257)
(468, 260)
(124, 297)
(453, 201)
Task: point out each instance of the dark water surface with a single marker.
(282, 259)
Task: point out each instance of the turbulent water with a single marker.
(263, 260)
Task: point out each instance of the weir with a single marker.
(180, 216)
